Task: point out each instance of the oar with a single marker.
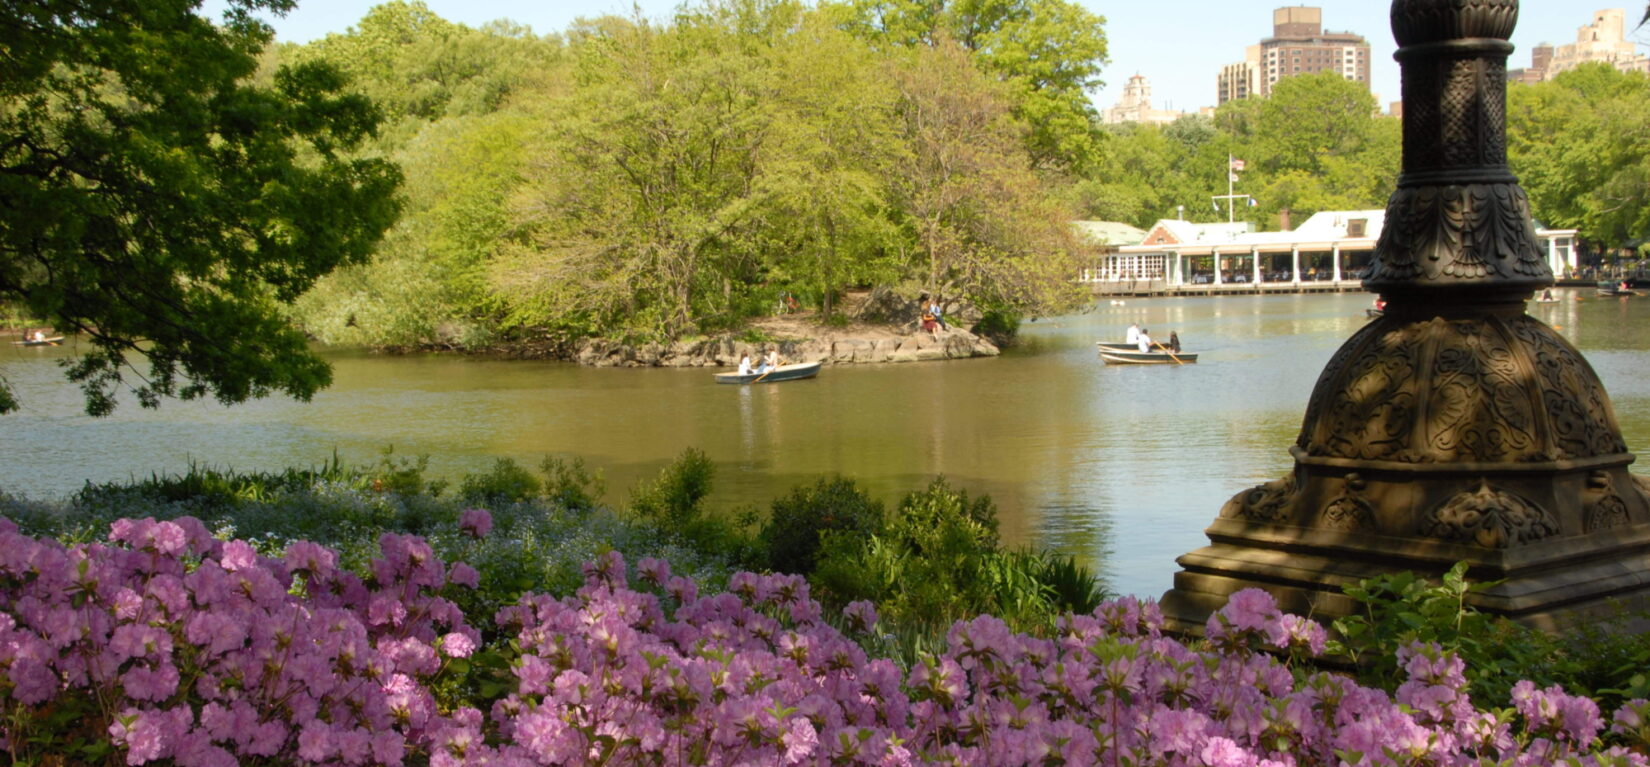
(765, 375)
(1166, 351)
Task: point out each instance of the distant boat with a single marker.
(782, 373)
(1130, 354)
(1373, 313)
(1607, 288)
(53, 341)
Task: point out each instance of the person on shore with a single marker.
(1144, 343)
(939, 317)
(1133, 336)
(745, 364)
(1174, 342)
(930, 323)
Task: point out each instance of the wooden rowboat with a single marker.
(782, 373)
(53, 341)
(1130, 354)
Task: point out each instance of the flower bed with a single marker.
(167, 644)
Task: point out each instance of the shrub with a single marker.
(507, 482)
(791, 539)
(569, 485)
(673, 498)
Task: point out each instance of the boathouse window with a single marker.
(1132, 267)
(1355, 227)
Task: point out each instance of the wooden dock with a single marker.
(1148, 288)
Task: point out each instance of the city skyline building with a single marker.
(1135, 106)
(1298, 46)
(1603, 41)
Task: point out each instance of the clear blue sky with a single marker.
(1179, 45)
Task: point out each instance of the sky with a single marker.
(1178, 45)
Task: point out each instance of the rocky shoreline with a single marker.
(797, 342)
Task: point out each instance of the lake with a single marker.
(1121, 465)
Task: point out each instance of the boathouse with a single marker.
(1328, 252)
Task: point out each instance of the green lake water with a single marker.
(1121, 465)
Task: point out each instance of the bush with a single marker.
(791, 539)
(1606, 658)
(936, 560)
(673, 498)
(998, 327)
(507, 482)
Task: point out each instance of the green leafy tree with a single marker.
(641, 217)
(982, 226)
(1577, 144)
(157, 200)
(1050, 52)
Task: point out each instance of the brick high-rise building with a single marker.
(1298, 46)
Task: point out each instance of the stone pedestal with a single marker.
(1455, 427)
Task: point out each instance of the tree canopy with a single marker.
(1578, 145)
(652, 181)
(161, 200)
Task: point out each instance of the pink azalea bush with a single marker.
(167, 645)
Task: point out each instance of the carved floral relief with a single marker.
(1489, 517)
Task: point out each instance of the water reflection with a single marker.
(1122, 466)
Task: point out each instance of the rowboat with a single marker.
(53, 341)
(1130, 354)
(782, 373)
(1610, 289)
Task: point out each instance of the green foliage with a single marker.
(569, 485)
(672, 499)
(1048, 52)
(507, 482)
(937, 560)
(1315, 144)
(1602, 656)
(1577, 144)
(799, 521)
(1000, 327)
(166, 204)
(651, 182)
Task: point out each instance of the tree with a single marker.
(1577, 144)
(156, 200)
(982, 224)
(1049, 51)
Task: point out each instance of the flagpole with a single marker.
(1230, 199)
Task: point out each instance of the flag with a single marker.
(1237, 164)
(1232, 176)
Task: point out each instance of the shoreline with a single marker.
(797, 339)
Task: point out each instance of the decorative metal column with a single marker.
(1455, 427)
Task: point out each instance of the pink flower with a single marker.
(458, 645)
(475, 522)
(238, 555)
(464, 575)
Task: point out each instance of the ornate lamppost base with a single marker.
(1482, 437)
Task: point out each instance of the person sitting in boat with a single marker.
(1623, 288)
(1174, 342)
(745, 364)
(1133, 336)
(772, 360)
(1547, 294)
(37, 336)
(1380, 304)
(1145, 341)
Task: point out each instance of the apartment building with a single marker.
(1298, 46)
(1604, 40)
